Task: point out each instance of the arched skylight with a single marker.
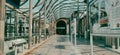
(58, 8)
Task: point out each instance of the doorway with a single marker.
(61, 28)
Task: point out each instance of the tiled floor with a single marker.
(84, 47)
(60, 45)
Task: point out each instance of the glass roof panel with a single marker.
(67, 4)
(57, 7)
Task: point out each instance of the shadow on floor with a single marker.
(60, 46)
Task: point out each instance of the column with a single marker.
(50, 29)
(2, 21)
(30, 24)
(90, 27)
(113, 42)
(99, 10)
(16, 24)
(34, 31)
(75, 39)
(79, 27)
(118, 40)
(37, 31)
(91, 44)
(88, 21)
(52, 26)
(16, 50)
(71, 39)
(25, 26)
(45, 18)
(40, 27)
(34, 27)
(74, 30)
(67, 29)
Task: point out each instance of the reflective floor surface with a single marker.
(60, 45)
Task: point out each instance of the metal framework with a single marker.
(53, 6)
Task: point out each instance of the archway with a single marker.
(61, 28)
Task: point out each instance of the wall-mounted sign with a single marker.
(102, 21)
(60, 27)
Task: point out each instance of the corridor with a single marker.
(59, 27)
(61, 45)
(57, 45)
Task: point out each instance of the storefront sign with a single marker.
(104, 21)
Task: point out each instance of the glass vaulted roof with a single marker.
(57, 8)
